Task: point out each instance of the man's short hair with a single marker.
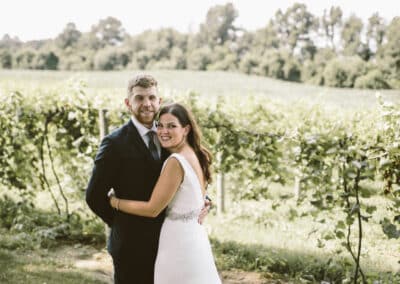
(143, 80)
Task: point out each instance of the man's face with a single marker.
(143, 103)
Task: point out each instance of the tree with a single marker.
(24, 58)
(46, 60)
(312, 71)
(111, 58)
(77, 60)
(308, 50)
(266, 38)
(391, 52)
(375, 32)
(10, 43)
(68, 37)
(199, 59)
(343, 72)
(5, 59)
(330, 23)
(249, 63)
(223, 58)
(177, 58)
(218, 27)
(272, 64)
(295, 26)
(351, 36)
(374, 79)
(159, 43)
(109, 31)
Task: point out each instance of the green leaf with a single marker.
(328, 236)
(339, 234)
(340, 225)
(371, 209)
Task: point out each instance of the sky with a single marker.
(41, 19)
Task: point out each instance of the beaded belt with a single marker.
(187, 216)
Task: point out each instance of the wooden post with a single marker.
(103, 123)
(297, 184)
(103, 127)
(220, 187)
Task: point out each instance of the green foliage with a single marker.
(342, 72)
(52, 136)
(5, 59)
(24, 59)
(249, 63)
(199, 59)
(111, 59)
(38, 144)
(46, 60)
(294, 25)
(374, 79)
(69, 37)
(218, 27)
(351, 35)
(330, 23)
(223, 58)
(390, 52)
(295, 45)
(109, 31)
(32, 227)
(232, 255)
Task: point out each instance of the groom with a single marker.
(125, 163)
(129, 160)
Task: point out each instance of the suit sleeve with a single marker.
(101, 182)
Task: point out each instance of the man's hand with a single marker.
(205, 210)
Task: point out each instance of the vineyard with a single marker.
(336, 166)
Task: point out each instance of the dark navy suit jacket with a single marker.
(124, 163)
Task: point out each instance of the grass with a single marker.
(212, 84)
(36, 267)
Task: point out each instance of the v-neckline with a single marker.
(193, 170)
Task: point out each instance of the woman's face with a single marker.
(170, 132)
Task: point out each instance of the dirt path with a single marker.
(99, 264)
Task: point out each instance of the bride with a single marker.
(184, 253)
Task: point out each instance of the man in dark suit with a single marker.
(129, 161)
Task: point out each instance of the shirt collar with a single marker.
(141, 128)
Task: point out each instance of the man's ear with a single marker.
(127, 102)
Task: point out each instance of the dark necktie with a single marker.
(152, 146)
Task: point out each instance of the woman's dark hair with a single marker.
(185, 117)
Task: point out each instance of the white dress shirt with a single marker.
(143, 130)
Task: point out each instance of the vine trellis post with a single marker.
(220, 187)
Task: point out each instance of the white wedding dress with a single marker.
(184, 252)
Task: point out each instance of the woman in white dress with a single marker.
(184, 253)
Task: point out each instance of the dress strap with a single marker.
(179, 158)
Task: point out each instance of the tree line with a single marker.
(295, 45)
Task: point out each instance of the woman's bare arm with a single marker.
(168, 183)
